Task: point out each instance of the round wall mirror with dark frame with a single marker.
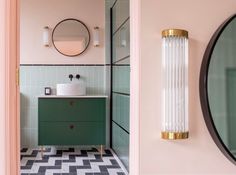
(71, 37)
(218, 87)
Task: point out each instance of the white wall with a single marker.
(198, 154)
(35, 14)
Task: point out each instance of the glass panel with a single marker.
(121, 43)
(120, 13)
(120, 144)
(121, 110)
(121, 79)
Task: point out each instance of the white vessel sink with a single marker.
(71, 89)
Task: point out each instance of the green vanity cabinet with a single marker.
(72, 121)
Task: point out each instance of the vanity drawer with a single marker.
(71, 133)
(72, 109)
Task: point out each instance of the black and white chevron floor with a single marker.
(71, 161)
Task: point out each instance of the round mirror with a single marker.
(71, 37)
(218, 87)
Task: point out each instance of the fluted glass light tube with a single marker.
(174, 84)
(46, 36)
(96, 41)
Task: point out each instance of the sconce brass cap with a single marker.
(174, 32)
(174, 135)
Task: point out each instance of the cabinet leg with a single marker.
(101, 150)
(41, 151)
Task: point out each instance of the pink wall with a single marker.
(9, 120)
(37, 14)
(2, 88)
(199, 154)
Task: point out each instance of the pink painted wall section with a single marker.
(9, 120)
(198, 155)
(2, 88)
(135, 25)
(37, 14)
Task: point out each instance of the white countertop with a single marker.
(75, 96)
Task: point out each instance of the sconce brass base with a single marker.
(174, 135)
(175, 32)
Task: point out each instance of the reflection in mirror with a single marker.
(222, 86)
(218, 87)
(71, 37)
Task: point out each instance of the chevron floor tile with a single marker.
(70, 161)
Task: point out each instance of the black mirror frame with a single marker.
(79, 22)
(204, 93)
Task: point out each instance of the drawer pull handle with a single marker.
(72, 103)
(72, 126)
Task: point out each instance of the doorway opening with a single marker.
(65, 87)
(13, 57)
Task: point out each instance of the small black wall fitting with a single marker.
(77, 76)
(71, 77)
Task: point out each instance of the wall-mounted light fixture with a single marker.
(96, 41)
(46, 39)
(174, 84)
